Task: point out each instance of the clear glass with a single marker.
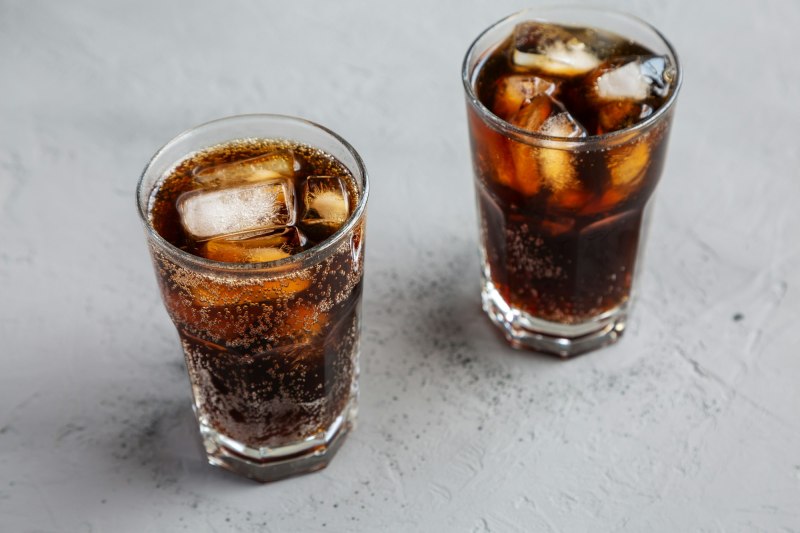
(271, 348)
(559, 270)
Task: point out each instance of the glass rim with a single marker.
(563, 142)
(324, 248)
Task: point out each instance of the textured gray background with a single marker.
(690, 424)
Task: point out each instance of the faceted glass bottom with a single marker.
(522, 330)
(276, 463)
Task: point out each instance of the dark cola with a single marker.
(271, 350)
(561, 216)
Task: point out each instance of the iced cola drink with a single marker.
(569, 112)
(256, 230)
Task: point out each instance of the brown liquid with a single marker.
(272, 357)
(561, 228)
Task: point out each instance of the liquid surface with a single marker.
(253, 200)
(593, 81)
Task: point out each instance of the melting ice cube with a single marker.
(516, 90)
(621, 114)
(627, 164)
(623, 83)
(603, 43)
(280, 163)
(552, 49)
(491, 155)
(635, 79)
(244, 208)
(255, 248)
(561, 124)
(324, 206)
(549, 117)
(303, 324)
(660, 72)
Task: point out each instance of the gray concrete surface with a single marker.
(689, 424)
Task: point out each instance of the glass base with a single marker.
(272, 464)
(566, 340)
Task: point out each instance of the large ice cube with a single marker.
(551, 49)
(280, 163)
(324, 206)
(634, 79)
(255, 248)
(516, 90)
(244, 208)
(553, 166)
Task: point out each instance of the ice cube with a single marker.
(621, 114)
(303, 324)
(627, 164)
(324, 206)
(491, 154)
(526, 165)
(661, 73)
(561, 124)
(607, 201)
(570, 199)
(516, 90)
(603, 43)
(532, 115)
(553, 166)
(623, 83)
(551, 49)
(211, 213)
(261, 247)
(558, 169)
(280, 163)
(547, 116)
(632, 78)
